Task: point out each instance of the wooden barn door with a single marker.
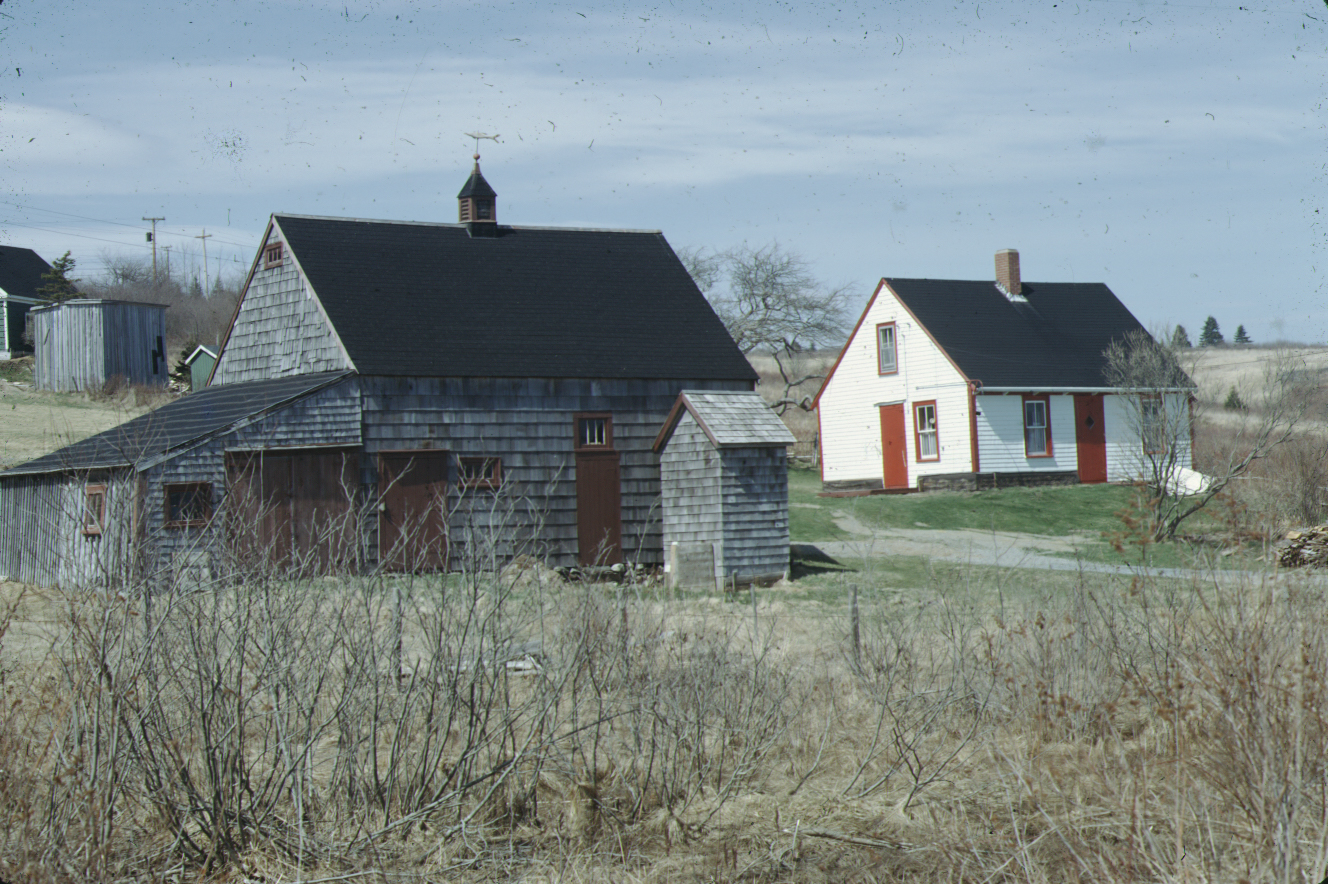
(412, 512)
(1090, 437)
(292, 508)
(598, 492)
(894, 451)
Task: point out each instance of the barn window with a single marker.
(1153, 424)
(94, 509)
(272, 255)
(886, 358)
(1037, 428)
(480, 472)
(188, 504)
(924, 431)
(594, 431)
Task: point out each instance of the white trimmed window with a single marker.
(1037, 429)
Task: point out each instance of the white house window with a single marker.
(886, 356)
(1037, 430)
(924, 431)
(1153, 420)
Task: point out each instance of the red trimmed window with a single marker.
(926, 440)
(188, 504)
(480, 472)
(1037, 426)
(94, 509)
(273, 255)
(1153, 423)
(887, 349)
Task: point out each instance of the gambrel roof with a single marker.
(178, 424)
(431, 300)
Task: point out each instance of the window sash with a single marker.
(1154, 424)
(94, 509)
(1035, 428)
(887, 357)
(925, 425)
(188, 503)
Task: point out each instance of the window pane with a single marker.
(886, 348)
(1035, 427)
(925, 416)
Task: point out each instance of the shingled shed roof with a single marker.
(177, 424)
(21, 271)
(430, 300)
(1053, 336)
(730, 419)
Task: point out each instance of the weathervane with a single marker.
(478, 136)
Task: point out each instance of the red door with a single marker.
(598, 492)
(1090, 438)
(412, 511)
(893, 450)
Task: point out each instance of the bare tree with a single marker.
(1161, 410)
(771, 302)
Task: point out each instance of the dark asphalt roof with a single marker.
(177, 424)
(428, 300)
(1056, 339)
(21, 271)
(476, 185)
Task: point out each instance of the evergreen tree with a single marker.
(1241, 337)
(1180, 339)
(1211, 335)
(1234, 402)
(180, 371)
(56, 284)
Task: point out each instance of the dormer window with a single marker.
(273, 255)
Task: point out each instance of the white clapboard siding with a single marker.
(1001, 436)
(1125, 454)
(850, 430)
(280, 329)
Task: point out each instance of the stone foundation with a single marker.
(991, 481)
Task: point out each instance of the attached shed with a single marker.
(724, 489)
(82, 343)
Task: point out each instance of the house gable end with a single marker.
(280, 327)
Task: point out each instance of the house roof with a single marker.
(730, 419)
(428, 300)
(21, 271)
(198, 351)
(1054, 338)
(178, 424)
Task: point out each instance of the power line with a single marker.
(107, 221)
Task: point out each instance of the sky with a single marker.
(1175, 151)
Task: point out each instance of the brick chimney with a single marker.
(1007, 272)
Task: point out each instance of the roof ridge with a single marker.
(463, 225)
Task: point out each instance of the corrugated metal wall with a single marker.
(81, 344)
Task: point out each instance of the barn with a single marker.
(82, 343)
(970, 384)
(420, 393)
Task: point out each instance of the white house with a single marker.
(972, 384)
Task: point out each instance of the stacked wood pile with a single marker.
(1307, 548)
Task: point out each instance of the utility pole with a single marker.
(152, 238)
(168, 261)
(207, 285)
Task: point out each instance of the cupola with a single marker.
(477, 201)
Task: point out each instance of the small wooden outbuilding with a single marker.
(724, 489)
(82, 343)
(200, 364)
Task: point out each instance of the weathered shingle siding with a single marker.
(529, 423)
(326, 418)
(690, 475)
(279, 330)
(41, 530)
(754, 484)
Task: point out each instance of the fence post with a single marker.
(853, 620)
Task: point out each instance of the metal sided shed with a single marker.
(82, 343)
(724, 489)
